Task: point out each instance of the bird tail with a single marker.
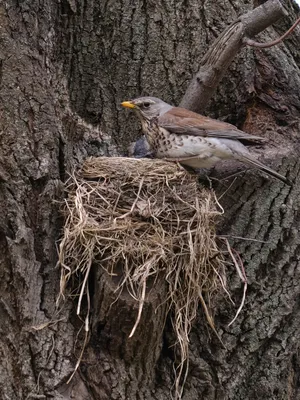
(264, 168)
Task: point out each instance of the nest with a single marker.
(151, 217)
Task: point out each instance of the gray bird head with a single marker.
(148, 107)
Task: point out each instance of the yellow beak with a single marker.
(127, 104)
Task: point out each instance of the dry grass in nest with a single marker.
(153, 218)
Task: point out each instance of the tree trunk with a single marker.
(64, 68)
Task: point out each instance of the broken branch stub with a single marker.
(218, 58)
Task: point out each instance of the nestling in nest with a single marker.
(153, 218)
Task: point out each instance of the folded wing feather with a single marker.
(181, 121)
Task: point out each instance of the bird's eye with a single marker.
(146, 105)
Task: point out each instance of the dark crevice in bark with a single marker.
(61, 160)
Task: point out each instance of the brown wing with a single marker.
(181, 121)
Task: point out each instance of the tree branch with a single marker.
(218, 58)
(252, 43)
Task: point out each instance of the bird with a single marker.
(193, 140)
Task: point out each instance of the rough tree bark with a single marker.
(64, 68)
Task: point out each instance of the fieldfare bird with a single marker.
(177, 134)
